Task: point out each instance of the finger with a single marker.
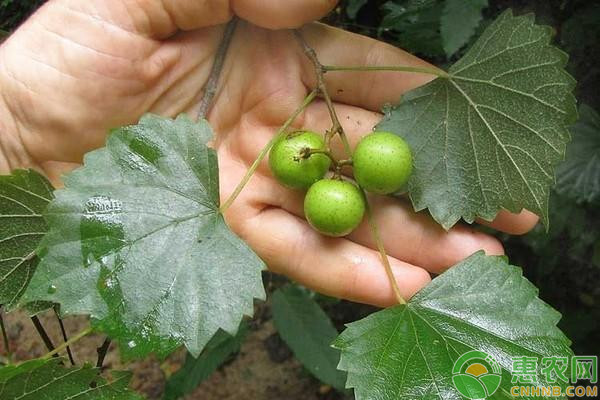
(160, 19)
(412, 237)
(514, 224)
(333, 266)
(370, 90)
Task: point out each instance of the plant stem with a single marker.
(69, 342)
(4, 335)
(307, 100)
(381, 248)
(397, 68)
(64, 335)
(319, 71)
(42, 332)
(102, 350)
(213, 78)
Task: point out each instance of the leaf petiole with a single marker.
(69, 342)
(382, 252)
(394, 68)
(307, 100)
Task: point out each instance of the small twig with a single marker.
(64, 335)
(394, 68)
(307, 100)
(319, 71)
(69, 342)
(4, 335)
(381, 248)
(42, 332)
(102, 350)
(210, 89)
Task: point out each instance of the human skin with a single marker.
(78, 68)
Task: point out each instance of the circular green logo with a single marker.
(476, 375)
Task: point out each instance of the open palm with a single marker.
(77, 69)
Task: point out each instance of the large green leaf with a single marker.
(48, 379)
(490, 134)
(196, 370)
(579, 176)
(137, 241)
(24, 196)
(309, 332)
(458, 23)
(483, 303)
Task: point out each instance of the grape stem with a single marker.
(382, 252)
(393, 68)
(307, 100)
(336, 128)
(337, 164)
(210, 89)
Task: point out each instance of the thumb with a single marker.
(161, 18)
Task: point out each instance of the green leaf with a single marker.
(579, 176)
(24, 196)
(458, 23)
(138, 242)
(48, 379)
(482, 303)
(309, 332)
(196, 370)
(416, 25)
(489, 136)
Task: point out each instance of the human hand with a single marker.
(77, 69)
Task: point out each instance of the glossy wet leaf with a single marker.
(309, 332)
(458, 23)
(24, 196)
(195, 370)
(578, 177)
(491, 134)
(137, 241)
(48, 379)
(482, 303)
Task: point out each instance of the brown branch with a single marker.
(102, 350)
(64, 335)
(322, 88)
(4, 335)
(42, 332)
(210, 89)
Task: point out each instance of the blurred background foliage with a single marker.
(563, 262)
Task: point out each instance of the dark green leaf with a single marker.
(24, 196)
(489, 136)
(309, 332)
(483, 303)
(458, 23)
(137, 241)
(579, 176)
(415, 24)
(48, 379)
(196, 370)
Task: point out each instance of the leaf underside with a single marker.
(579, 176)
(490, 135)
(137, 241)
(483, 303)
(24, 196)
(308, 331)
(48, 379)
